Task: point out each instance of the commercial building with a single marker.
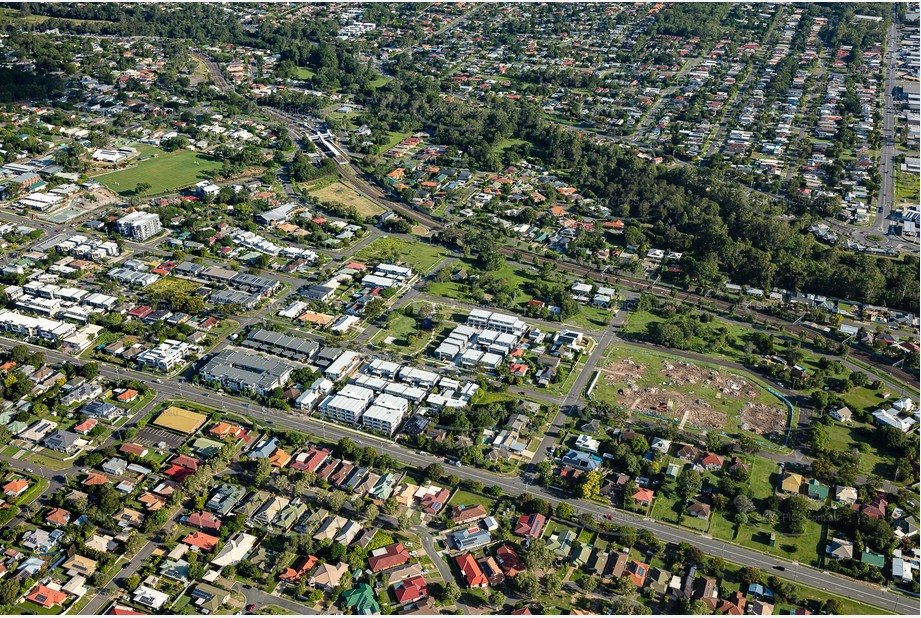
(240, 371)
(384, 420)
(139, 225)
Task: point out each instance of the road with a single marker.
(428, 544)
(887, 151)
(836, 584)
(261, 599)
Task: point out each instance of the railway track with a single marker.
(357, 179)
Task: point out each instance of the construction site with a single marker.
(695, 396)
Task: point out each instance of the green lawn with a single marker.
(664, 509)
(804, 548)
(467, 498)
(421, 256)
(876, 460)
(304, 73)
(165, 173)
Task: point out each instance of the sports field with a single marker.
(338, 192)
(165, 173)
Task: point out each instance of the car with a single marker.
(358, 442)
(910, 502)
(780, 568)
(29, 470)
(251, 607)
(158, 381)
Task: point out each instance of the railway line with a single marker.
(358, 180)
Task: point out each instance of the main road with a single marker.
(887, 151)
(835, 584)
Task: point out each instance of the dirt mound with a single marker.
(762, 419)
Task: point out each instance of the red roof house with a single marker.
(202, 541)
(411, 589)
(531, 525)
(509, 561)
(471, 571)
(388, 557)
(203, 520)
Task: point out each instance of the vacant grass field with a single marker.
(171, 285)
(168, 172)
(422, 257)
(907, 187)
(338, 192)
(804, 548)
(877, 460)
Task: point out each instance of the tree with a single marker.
(142, 187)
(747, 443)
(750, 575)
(262, 472)
(589, 584)
(434, 471)
(371, 512)
(564, 510)
(526, 583)
(688, 483)
(591, 485)
(496, 598)
(538, 556)
(450, 593)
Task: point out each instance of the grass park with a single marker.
(165, 173)
(347, 196)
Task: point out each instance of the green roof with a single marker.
(872, 558)
(816, 489)
(362, 599)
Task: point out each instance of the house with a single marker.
(328, 576)
(235, 550)
(791, 483)
(80, 565)
(470, 538)
(840, 549)
(463, 514)
(15, 488)
(129, 518)
(847, 495)
(203, 520)
(699, 510)
(57, 517)
(202, 541)
(388, 557)
(148, 597)
(62, 441)
(509, 561)
(471, 571)
(361, 600)
(637, 572)
(46, 597)
(816, 490)
(842, 414)
(643, 496)
(130, 448)
(410, 590)
(209, 599)
(299, 569)
(531, 526)
(688, 452)
(905, 528)
(115, 466)
(760, 608)
(712, 461)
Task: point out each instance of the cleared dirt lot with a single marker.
(696, 396)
